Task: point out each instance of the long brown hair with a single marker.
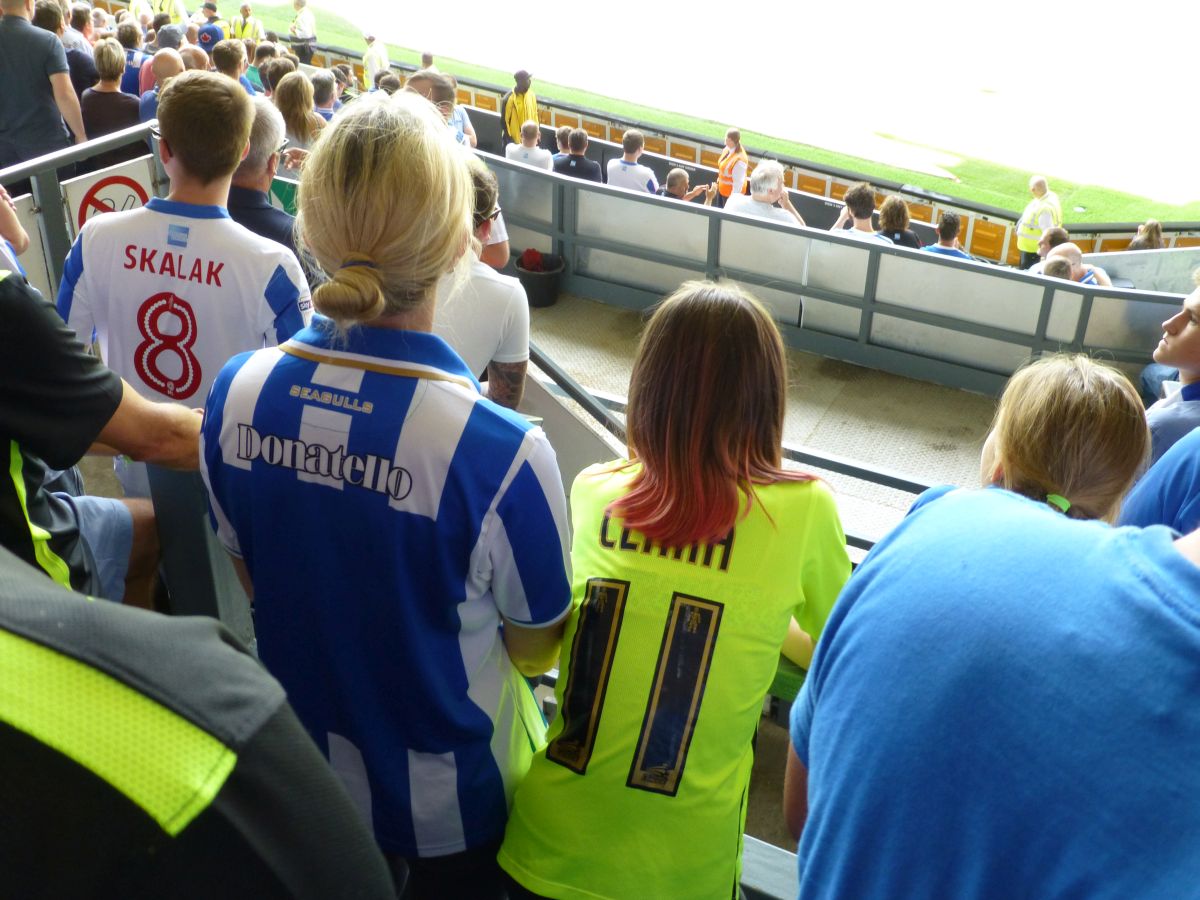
(294, 97)
(705, 414)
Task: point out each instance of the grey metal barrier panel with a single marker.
(955, 322)
(1152, 270)
(488, 130)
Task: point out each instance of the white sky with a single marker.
(1102, 100)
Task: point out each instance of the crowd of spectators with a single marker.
(386, 426)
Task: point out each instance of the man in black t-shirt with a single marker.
(150, 756)
(575, 163)
(57, 402)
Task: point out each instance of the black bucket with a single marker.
(542, 287)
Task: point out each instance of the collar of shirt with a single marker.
(419, 349)
(187, 210)
(248, 198)
(1190, 391)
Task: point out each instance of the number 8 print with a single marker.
(149, 352)
(684, 659)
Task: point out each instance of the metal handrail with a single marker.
(76, 153)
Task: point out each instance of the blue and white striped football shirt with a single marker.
(389, 516)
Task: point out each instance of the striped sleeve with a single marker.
(72, 302)
(530, 553)
(288, 299)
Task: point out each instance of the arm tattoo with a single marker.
(506, 382)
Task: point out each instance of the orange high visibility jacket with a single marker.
(725, 165)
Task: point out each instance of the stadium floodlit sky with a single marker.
(1092, 92)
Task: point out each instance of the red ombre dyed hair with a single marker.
(705, 414)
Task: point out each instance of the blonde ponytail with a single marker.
(385, 207)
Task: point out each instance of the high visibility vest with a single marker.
(170, 7)
(1028, 229)
(725, 165)
(246, 28)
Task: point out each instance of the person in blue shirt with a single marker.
(947, 243)
(1177, 414)
(1002, 702)
(404, 538)
(1169, 493)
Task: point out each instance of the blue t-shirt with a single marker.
(389, 516)
(946, 251)
(133, 70)
(1169, 493)
(148, 105)
(1172, 418)
(1002, 705)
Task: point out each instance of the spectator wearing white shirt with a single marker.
(78, 33)
(528, 151)
(486, 317)
(303, 31)
(627, 172)
(766, 190)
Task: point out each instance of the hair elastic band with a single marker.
(1058, 500)
(354, 263)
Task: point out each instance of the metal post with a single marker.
(47, 196)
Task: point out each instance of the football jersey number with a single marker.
(684, 659)
(148, 356)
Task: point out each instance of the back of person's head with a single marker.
(109, 57)
(388, 82)
(159, 20)
(676, 179)
(487, 191)
(47, 15)
(1068, 427)
(324, 87)
(893, 215)
(192, 33)
(577, 141)
(263, 52)
(426, 60)
(1055, 236)
(530, 132)
(170, 37)
(266, 135)
(705, 414)
(343, 75)
(860, 199)
(385, 206)
(292, 58)
(442, 94)
(129, 35)
(195, 58)
(250, 46)
(423, 82)
(165, 65)
(294, 97)
(562, 135)
(1057, 267)
(1068, 251)
(949, 226)
(228, 57)
(274, 71)
(633, 141)
(1150, 235)
(81, 16)
(766, 177)
(205, 120)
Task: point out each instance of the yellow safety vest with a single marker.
(170, 7)
(249, 28)
(725, 165)
(1028, 229)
